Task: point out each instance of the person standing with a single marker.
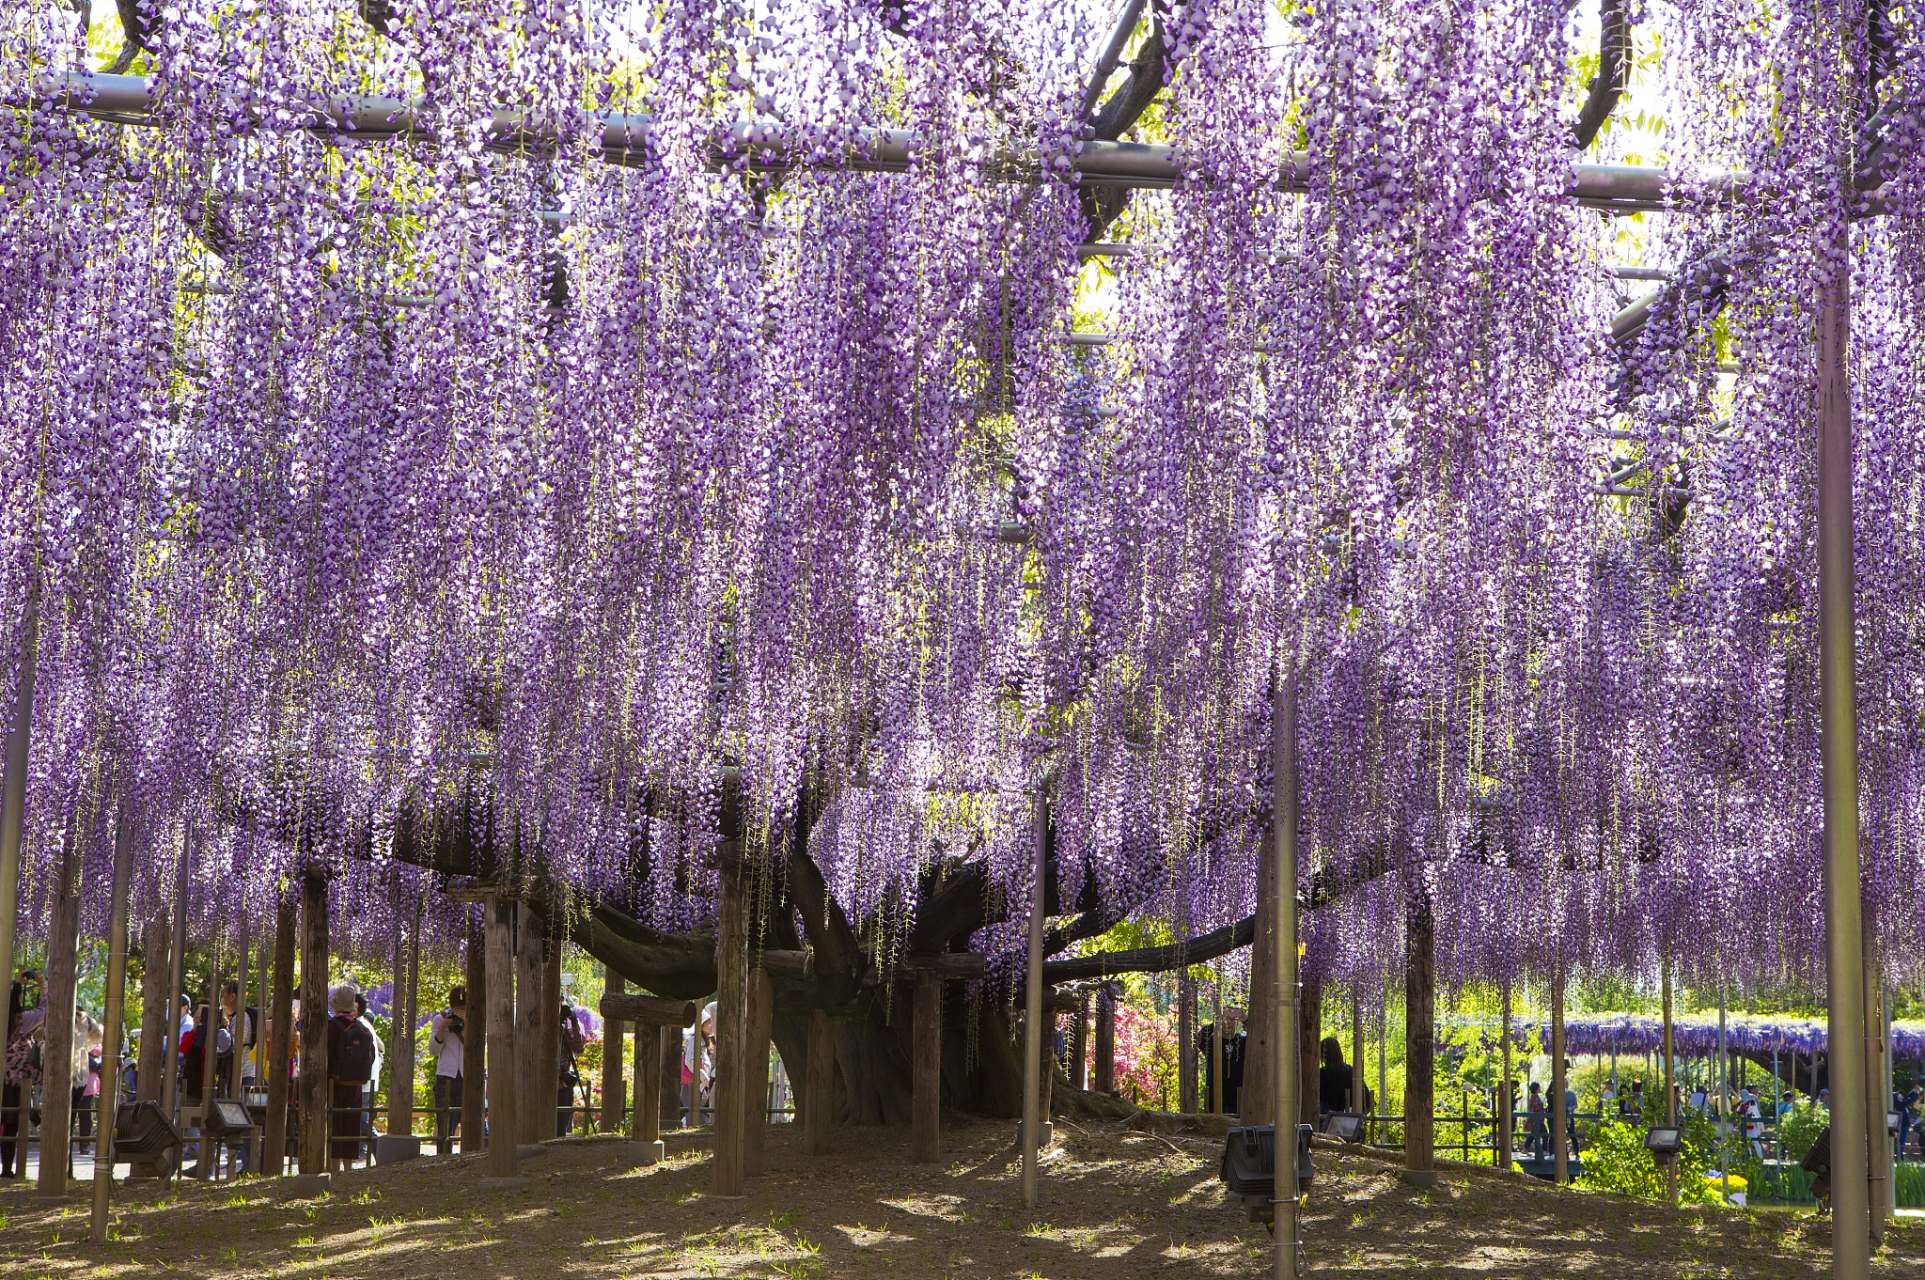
(351, 1057)
(569, 1073)
(445, 1037)
(244, 1026)
(19, 1073)
(1538, 1134)
(374, 1075)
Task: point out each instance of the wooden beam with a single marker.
(925, 1142)
(633, 1006)
(500, 983)
(1032, 1133)
(818, 1098)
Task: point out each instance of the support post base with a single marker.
(529, 1150)
(302, 1185)
(644, 1153)
(1420, 1177)
(393, 1149)
(504, 1184)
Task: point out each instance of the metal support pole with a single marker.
(1507, 1104)
(1838, 747)
(116, 1012)
(56, 1099)
(1033, 1005)
(13, 792)
(1283, 809)
(1560, 1109)
(177, 979)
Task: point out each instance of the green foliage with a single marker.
(1617, 1161)
(1798, 1129)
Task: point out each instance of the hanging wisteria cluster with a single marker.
(594, 425)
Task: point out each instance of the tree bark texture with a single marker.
(314, 1022)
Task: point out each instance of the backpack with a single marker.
(353, 1060)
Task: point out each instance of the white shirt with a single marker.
(448, 1048)
(374, 1074)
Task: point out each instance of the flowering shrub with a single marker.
(1146, 1057)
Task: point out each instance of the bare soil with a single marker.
(1116, 1203)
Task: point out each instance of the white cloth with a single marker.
(448, 1048)
(374, 1075)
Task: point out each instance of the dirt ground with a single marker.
(1116, 1204)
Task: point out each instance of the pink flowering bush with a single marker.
(1146, 1057)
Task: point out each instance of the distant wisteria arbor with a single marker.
(602, 452)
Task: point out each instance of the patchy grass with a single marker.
(1116, 1205)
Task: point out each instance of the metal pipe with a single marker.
(1838, 749)
(1287, 1060)
(768, 145)
(1670, 1086)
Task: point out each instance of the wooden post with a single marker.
(612, 1041)
(1032, 1135)
(474, 1042)
(177, 981)
(154, 944)
(668, 1077)
(316, 1097)
(500, 924)
(731, 1028)
(925, 1139)
(1560, 1113)
(1420, 1035)
(57, 1050)
(1216, 1046)
(526, 1058)
(242, 1051)
(755, 1092)
(1281, 995)
(549, 1082)
(116, 1012)
(13, 788)
(1079, 1045)
(1186, 1091)
(818, 1095)
(1256, 1100)
(1507, 1104)
(645, 1119)
(207, 1031)
(280, 1034)
(401, 1067)
(1046, 1046)
(1105, 1065)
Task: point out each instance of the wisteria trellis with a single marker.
(347, 471)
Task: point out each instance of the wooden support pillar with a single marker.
(499, 921)
(119, 887)
(645, 1117)
(925, 1139)
(314, 1020)
(1256, 1101)
(1046, 1047)
(1279, 997)
(1079, 1046)
(1032, 1133)
(401, 1066)
(280, 1034)
(731, 1027)
(755, 1092)
(13, 785)
(1420, 1037)
(57, 1050)
(526, 1057)
(612, 1041)
(154, 944)
(1104, 1068)
(474, 1042)
(669, 1077)
(176, 980)
(207, 1031)
(548, 1083)
(1560, 1114)
(818, 1098)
